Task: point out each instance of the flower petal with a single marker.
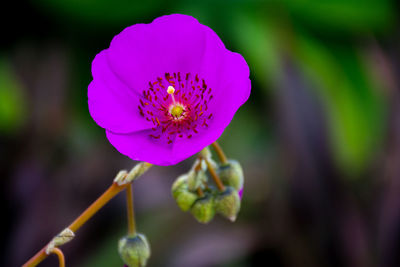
(174, 43)
(142, 53)
(139, 146)
(234, 83)
(112, 104)
(233, 92)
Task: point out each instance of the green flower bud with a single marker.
(134, 251)
(181, 193)
(231, 174)
(179, 183)
(203, 209)
(184, 198)
(227, 203)
(196, 179)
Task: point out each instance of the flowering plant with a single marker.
(165, 90)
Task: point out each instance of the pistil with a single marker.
(171, 91)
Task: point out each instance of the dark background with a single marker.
(319, 138)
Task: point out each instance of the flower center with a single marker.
(176, 111)
(176, 107)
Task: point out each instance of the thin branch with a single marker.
(130, 211)
(200, 192)
(60, 255)
(215, 176)
(111, 192)
(220, 152)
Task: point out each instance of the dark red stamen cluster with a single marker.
(191, 93)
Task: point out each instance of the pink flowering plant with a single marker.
(163, 92)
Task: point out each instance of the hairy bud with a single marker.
(181, 193)
(196, 179)
(203, 209)
(185, 199)
(179, 183)
(227, 203)
(134, 251)
(231, 174)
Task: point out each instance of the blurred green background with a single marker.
(319, 138)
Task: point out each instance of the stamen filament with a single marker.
(173, 114)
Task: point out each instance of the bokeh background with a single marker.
(319, 138)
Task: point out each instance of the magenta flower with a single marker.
(165, 90)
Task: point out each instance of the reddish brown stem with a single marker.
(215, 177)
(200, 192)
(220, 152)
(130, 211)
(111, 192)
(60, 255)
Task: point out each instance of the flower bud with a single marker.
(134, 251)
(227, 203)
(184, 198)
(181, 193)
(231, 174)
(179, 184)
(203, 209)
(196, 179)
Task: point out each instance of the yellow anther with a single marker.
(171, 90)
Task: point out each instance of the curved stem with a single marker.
(200, 192)
(220, 152)
(111, 192)
(198, 166)
(130, 211)
(60, 255)
(121, 181)
(37, 258)
(215, 177)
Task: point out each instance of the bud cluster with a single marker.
(193, 192)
